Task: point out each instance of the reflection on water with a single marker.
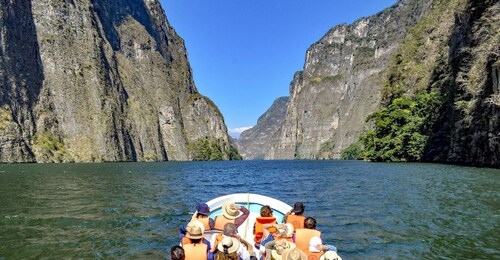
(368, 210)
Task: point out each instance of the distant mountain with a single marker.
(254, 142)
(415, 82)
(93, 81)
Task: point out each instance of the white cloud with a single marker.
(235, 132)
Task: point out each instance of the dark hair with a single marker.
(310, 223)
(177, 253)
(266, 211)
(195, 241)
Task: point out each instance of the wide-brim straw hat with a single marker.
(287, 245)
(195, 229)
(293, 254)
(232, 245)
(330, 255)
(228, 212)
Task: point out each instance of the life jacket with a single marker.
(296, 220)
(220, 221)
(186, 240)
(205, 221)
(195, 251)
(217, 240)
(303, 236)
(258, 232)
(314, 256)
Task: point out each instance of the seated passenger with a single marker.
(296, 215)
(304, 235)
(230, 212)
(266, 218)
(230, 230)
(202, 214)
(194, 244)
(228, 249)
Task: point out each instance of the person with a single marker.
(230, 212)
(303, 236)
(230, 230)
(296, 215)
(267, 222)
(195, 246)
(177, 253)
(293, 254)
(330, 255)
(274, 249)
(202, 214)
(228, 248)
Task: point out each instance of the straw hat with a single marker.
(277, 254)
(293, 254)
(289, 229)
(229, 243)
(229, 212)
(194, 232)
(330, 255)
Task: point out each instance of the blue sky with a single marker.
(244, 53)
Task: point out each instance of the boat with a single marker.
(253, 202)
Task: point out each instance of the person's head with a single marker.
(194, 230)
(177, 253)
(222, 256)
(230, 229)
(330, 255)
(281, 245)
(310, 223)
(266, 211)
(228, 245)
(298, 208)
(230, 210)
(203, 210)
(293, 254)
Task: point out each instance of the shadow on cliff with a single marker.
(22, 67)
(114, 13)
(460, 137)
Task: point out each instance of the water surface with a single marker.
(133, 210)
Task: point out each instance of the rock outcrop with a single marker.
(93, 81)
(254, 142)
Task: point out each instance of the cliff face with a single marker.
(254, 142)
(97, 81)
(421, 79)
(341, 84)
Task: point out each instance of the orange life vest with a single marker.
(258, 233)
(220, 221)
(195, 251)
(314, 256)
(296, 220)
(205, 221)
(217, 240)
(186, 240)
(303, 236)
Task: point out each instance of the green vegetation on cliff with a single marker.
(212, 150)
(49, 148)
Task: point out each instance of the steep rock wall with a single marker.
(103, 81)
(341, 84)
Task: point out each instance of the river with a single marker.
(133, 210)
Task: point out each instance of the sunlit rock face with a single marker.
(341, 84)
(97, 81)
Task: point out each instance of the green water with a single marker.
(133, 210)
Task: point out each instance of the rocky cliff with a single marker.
(341, 84)
(98, 81)
(417, 82)
(254, 142)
